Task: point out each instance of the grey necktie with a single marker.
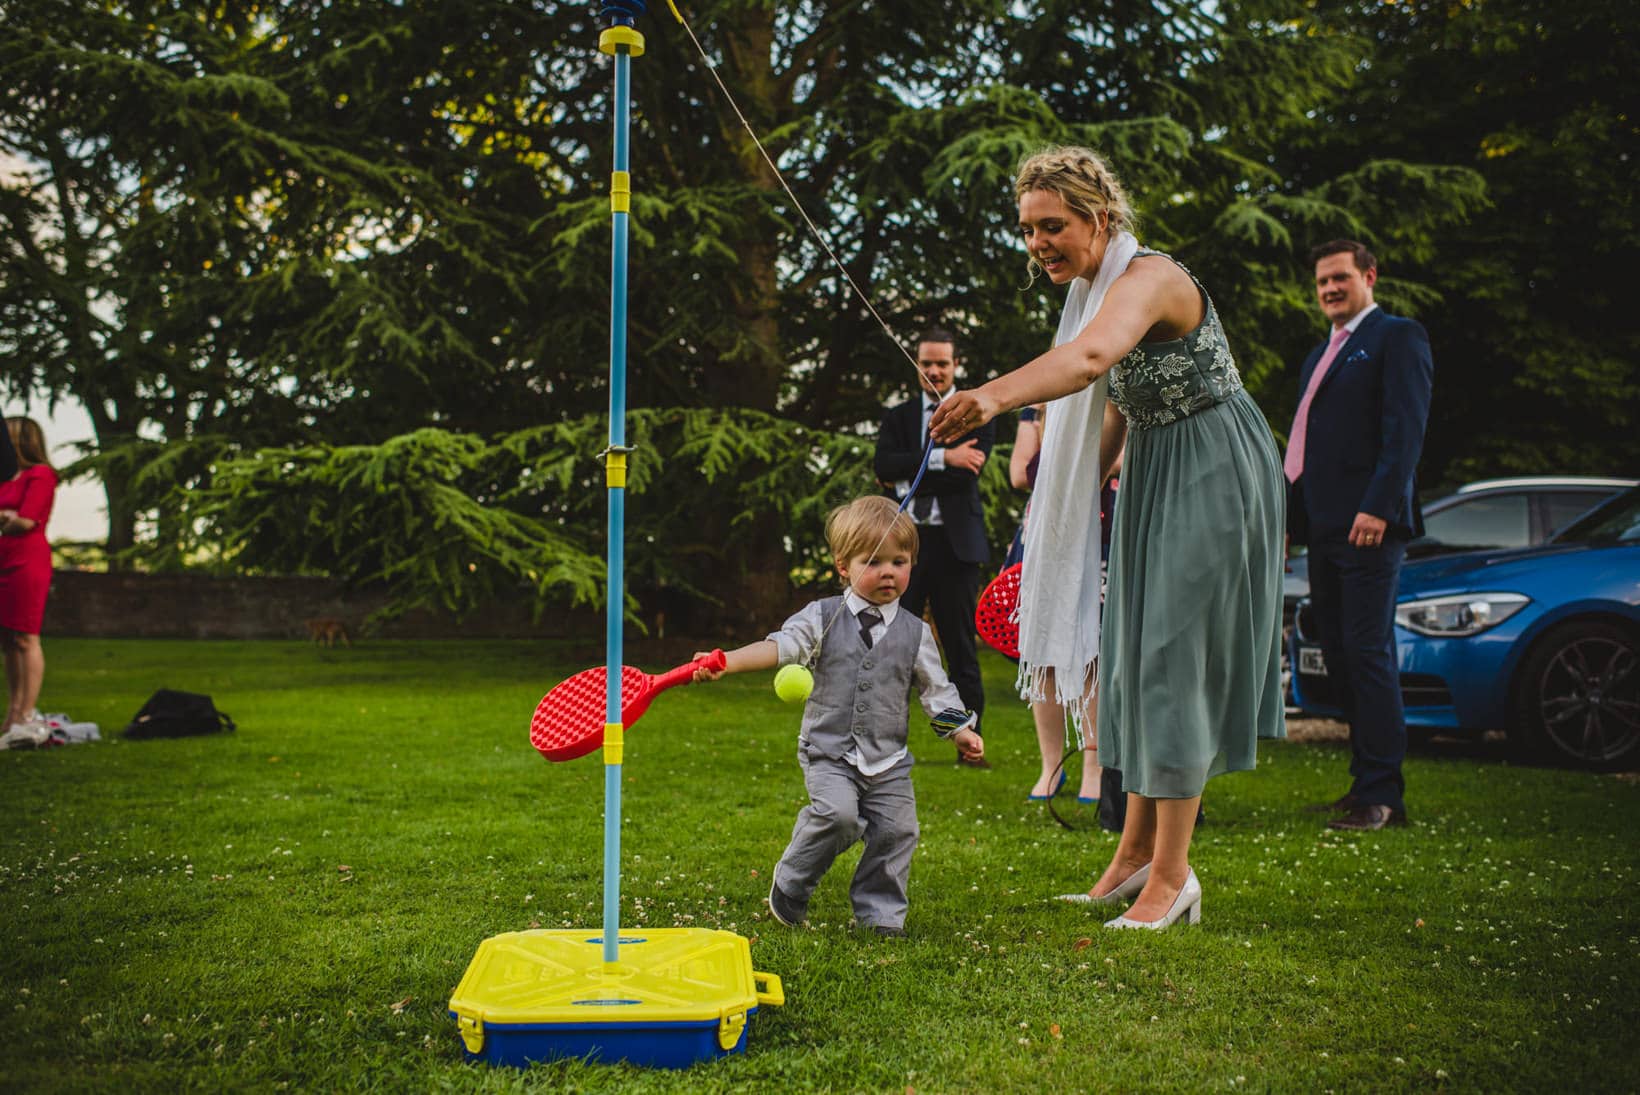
(869, 618)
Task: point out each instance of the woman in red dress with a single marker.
(25, 576)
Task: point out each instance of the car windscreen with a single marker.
(1616, 522)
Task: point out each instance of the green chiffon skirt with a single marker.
(1190, 653)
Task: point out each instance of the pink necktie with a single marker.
(1294, 464)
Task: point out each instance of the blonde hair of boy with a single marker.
(864, 525)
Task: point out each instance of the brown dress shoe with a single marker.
(1340, 805)
(1369, 818)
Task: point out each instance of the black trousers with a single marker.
(949, 588)
(1352, 591)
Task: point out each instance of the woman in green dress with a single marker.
(1186, 667)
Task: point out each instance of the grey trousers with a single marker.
(845, 806)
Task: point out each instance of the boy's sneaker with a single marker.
(784, 909)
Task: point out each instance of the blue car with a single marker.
(1543, 642)
(1484, 516)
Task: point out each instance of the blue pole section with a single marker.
(614, 654)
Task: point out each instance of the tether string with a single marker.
(815, 231)
(819, 237)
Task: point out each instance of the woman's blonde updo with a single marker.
(1080, 177)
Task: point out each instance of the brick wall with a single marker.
(91, 604)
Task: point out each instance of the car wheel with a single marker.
(1578, 698)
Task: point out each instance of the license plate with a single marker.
(1310, 661)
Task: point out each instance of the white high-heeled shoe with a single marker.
(1187, 907)
(1129, 887)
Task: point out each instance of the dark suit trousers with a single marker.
(950, 589)
(1352, 592)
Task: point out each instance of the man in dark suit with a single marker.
(1350, 466)
(950, 519)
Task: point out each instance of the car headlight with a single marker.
(1459, 615)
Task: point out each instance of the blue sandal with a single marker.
(1050, 794)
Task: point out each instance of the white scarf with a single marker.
(1059, 583)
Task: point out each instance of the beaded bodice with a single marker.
(1158, 383)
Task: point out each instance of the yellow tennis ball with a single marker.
(793, 683)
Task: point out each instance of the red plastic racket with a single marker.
(569, 720)
(994, 618)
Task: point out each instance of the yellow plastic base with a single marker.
(675, 996)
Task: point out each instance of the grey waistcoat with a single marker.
(861, 694)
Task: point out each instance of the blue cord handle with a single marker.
(928, 450)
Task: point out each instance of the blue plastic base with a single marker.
(675, 998)
(649, 1045)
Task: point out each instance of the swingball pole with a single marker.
(622, 41)
(680, 995)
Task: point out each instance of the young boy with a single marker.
(866, 656)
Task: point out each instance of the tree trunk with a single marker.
(116, 480)
(755, 554)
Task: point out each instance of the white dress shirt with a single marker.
(1355, 320)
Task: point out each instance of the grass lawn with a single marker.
(292, 904)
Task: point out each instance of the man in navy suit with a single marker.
(950, 519)
(1350, 466)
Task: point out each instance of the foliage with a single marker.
(1536, 355)
(408, 514)
(457, 520)
(311, 226)
(293, 904)
(257, 221)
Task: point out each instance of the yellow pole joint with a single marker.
(614, 742)
(621, 40)
(620, 192)
(615, 470)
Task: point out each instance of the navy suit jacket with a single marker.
(1366, 429)
(899, 453)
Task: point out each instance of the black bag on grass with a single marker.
(171, 714)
